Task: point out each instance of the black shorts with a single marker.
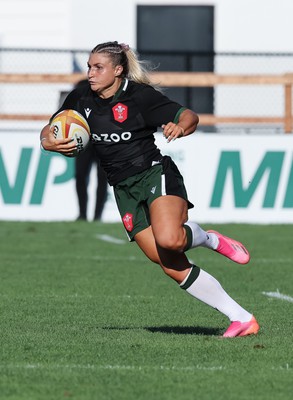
(135, 194)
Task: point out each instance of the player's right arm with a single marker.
(49, 143)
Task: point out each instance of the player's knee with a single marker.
(170, 241)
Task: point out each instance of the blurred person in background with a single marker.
(84, 163)
(124, 110)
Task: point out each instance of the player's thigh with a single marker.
(168, 215)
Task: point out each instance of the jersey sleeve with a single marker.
(156, 108)
(69, 103)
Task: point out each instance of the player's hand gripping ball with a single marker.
(71, 124)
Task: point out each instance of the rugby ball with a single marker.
(71, 124)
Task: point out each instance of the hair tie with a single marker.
(124, 46)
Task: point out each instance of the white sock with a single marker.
(208, 290)
(201, 237)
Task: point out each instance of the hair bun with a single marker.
(124, 46)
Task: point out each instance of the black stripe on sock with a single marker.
(191, 278)
(188, 237)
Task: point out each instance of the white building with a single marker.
(241, 25)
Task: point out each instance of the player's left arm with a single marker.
(159, 110)
(183, 125)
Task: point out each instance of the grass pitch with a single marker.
(84, 315)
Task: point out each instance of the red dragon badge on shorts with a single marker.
(128, 221)
(120, 112)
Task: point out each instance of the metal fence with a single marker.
(43, 98)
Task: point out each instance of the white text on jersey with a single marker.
(111, 137)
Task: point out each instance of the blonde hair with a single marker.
(121, 54)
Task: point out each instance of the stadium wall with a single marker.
(229, 179)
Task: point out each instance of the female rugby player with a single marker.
(124, 111)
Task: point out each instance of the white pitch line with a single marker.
(278, 295)
(257, 260)
(110, 239)
(283, 367)
(117, 367)
(114, 367)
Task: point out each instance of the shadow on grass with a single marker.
(185, 330)
(177, 330)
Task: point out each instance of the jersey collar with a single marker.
(122, 88)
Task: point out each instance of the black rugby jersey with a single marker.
(123, 126)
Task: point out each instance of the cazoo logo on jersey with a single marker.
(111, 137)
